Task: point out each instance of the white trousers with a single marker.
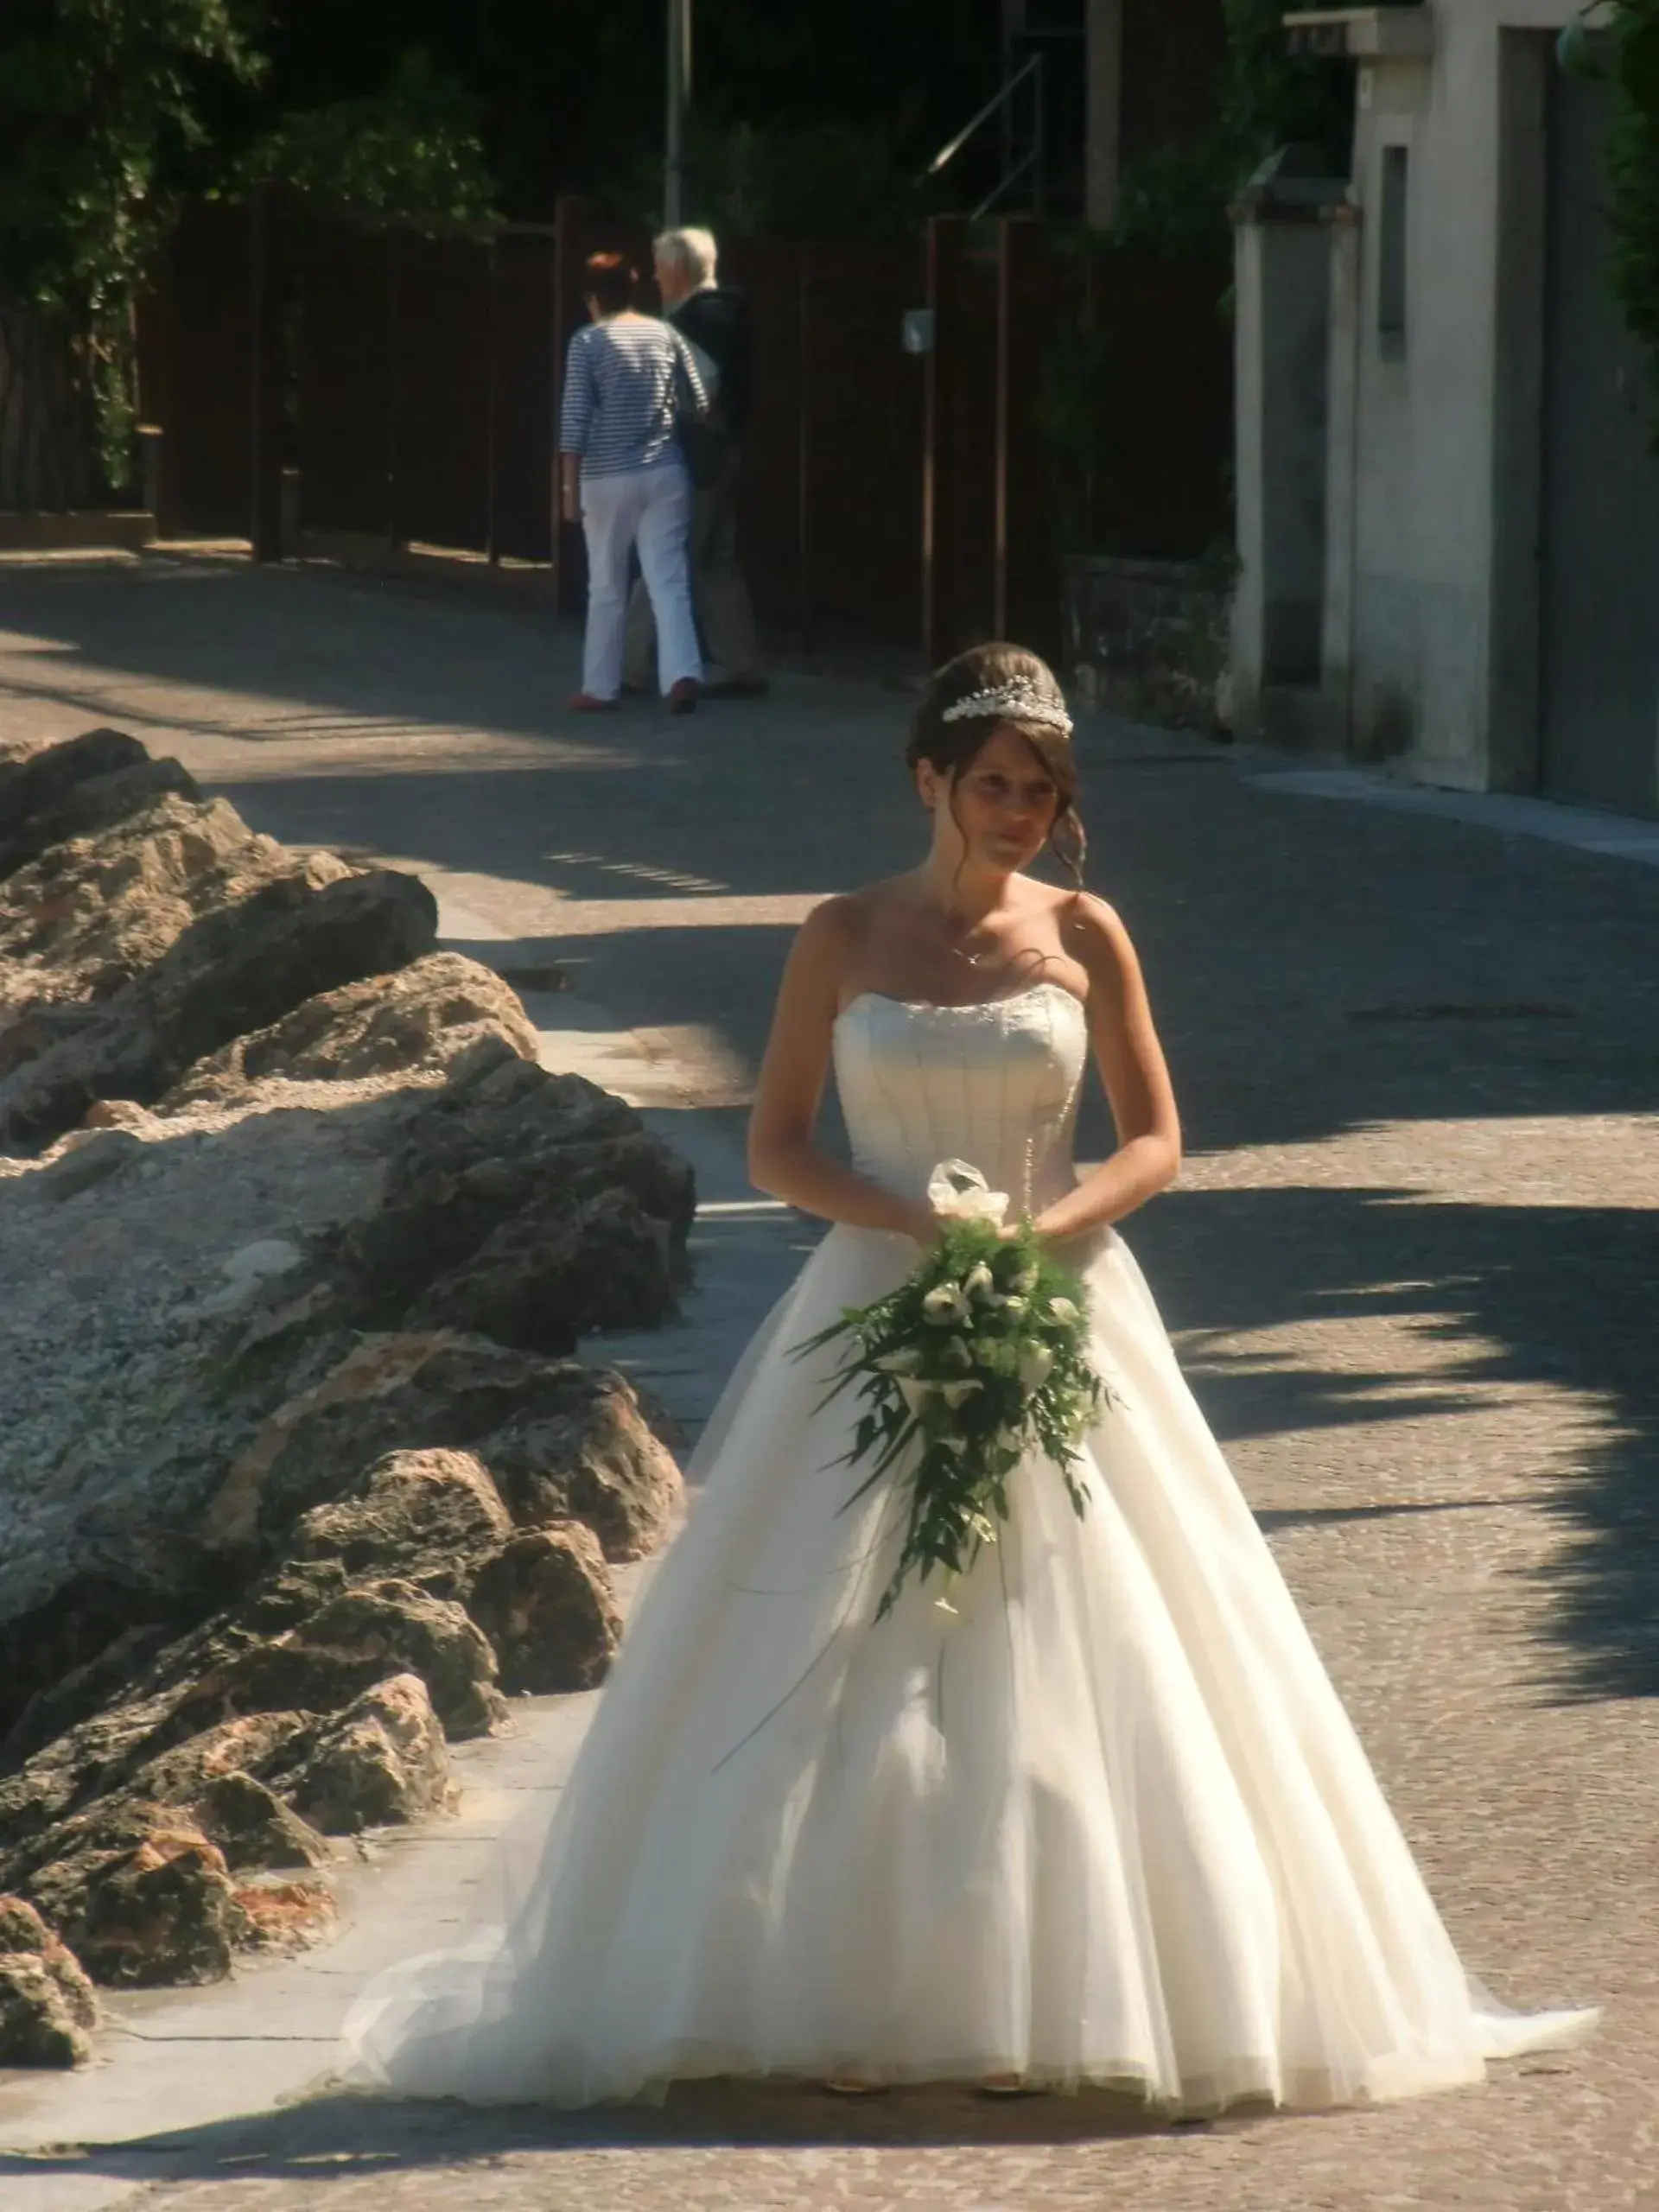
(650, 508)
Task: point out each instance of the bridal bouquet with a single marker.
(981, 1357)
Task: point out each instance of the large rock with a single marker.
(31, 1024)
(237, 970)
(283, 1917)
(412, 1513)
(544, 1599)
(141, 1896)
(556, 1268)
(34, 783)
(588, 1456)
(546, 1604)
(38, 2022)
(367, 1633)
(191, 1773)
(64, 1657)
(574, 1443)
(529, 1205)
(87, 915)
(516, 1205)
(381, 1764)
(47, 2006)
(254, 1828)
(99, 1755)
(419, 1021)
(86, 809)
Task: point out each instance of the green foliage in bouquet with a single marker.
(980, 1359)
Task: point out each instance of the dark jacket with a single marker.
(717, 320)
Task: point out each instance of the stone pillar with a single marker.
(1282, 341)
(1341, 473)
(1103, 61)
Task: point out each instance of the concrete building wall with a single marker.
(1435, 585)
(1422, 507)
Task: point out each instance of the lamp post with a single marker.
(679, 105)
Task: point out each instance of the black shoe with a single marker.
(683, 696)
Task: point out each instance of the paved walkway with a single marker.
(1410, 1267)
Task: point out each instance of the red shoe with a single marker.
(583, 702)
(683, 696)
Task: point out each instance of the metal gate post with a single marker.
(266, 371)
(569, 257)
(945, 235)
(804, 506)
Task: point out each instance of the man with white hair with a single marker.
(713, 321)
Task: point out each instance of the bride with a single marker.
(1105, 1821)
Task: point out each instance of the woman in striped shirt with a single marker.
(627, 380)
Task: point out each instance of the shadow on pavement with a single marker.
(1561, 1296)
(341, 2138)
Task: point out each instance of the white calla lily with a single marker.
(1036, 1363)
(957, 1192)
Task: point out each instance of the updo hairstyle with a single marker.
(951, 748)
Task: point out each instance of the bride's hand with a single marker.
(1009, 1230)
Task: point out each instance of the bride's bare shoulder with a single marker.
(830, 941)
(1093, 932)
(846, 918)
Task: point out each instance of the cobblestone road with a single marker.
(1411, 1267)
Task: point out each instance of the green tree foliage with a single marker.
(1625, 51)
(814, 102)
(1175, 200)
(410, 153)
(110, 109)
(1269, 97)
(99, 104)
(100, 101)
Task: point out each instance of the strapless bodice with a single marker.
(995, 1084)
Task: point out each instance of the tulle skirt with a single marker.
(1104, 1821)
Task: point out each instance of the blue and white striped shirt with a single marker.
(625, 383)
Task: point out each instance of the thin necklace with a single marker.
(960, 951)
(974, 959)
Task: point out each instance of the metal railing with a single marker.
(1001, 107)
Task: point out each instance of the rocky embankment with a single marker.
(299, 1480)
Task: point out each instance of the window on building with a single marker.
(1391, 255)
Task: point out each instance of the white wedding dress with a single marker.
(1107, 1822)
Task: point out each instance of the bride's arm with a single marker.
(1131, 1063)
(783, 1159)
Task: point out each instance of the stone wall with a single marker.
(1148, 639)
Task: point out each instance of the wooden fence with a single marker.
(411, 386)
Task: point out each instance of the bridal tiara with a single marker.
(1018, 700)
